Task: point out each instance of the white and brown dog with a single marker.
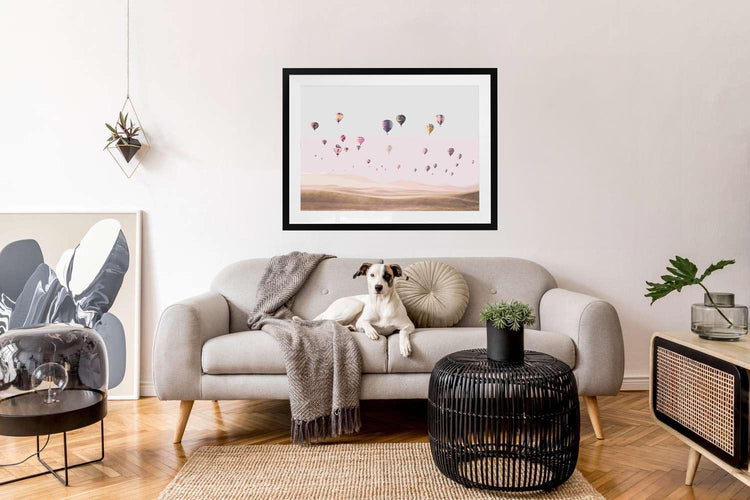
(380, 312)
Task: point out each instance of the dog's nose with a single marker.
(378, 288)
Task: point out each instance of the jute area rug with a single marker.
(340, 471)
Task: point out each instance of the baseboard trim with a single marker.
(147, 389)
(630, 383)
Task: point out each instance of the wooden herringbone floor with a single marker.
(637, 460)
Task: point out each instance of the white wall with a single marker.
(624, 132)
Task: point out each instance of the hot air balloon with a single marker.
(339, 117)
(400, 119)
(472, 162)
(368, 160)
(434, 165)
(337, 149)
(446, 170)
(346, 150)
(314, 125)
(430, 127)
(415, 169)
(398, 166)
(424, 151)
(324, 142)
(343, 138)
(456, 164)
(439, 119)
(450, 151)
(460, 156)
(360, 140)
(427, 168)
(389, 148)
(387, 126)
(451, 174)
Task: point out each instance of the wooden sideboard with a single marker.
(698, 392)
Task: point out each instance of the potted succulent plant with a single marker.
(505, 322)
(124, 135)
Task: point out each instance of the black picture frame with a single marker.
(492, 225)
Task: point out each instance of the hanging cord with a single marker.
(127, 56)
(30, 456)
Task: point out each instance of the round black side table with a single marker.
(27, 415)
(504, 426)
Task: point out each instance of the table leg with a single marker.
(694, 459)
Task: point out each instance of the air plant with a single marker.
(124, 135)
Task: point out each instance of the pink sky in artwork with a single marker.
(407, 152)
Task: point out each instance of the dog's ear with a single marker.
(397, 272)
(362, 269)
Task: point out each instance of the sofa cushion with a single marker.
(434, 294)
(256, 352)
(431, 344)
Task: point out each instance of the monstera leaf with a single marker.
(683, 273)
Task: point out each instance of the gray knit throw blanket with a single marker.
(323, 363)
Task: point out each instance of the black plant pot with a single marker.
(129, 149)
(503, 344)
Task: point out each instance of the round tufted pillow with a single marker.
(435, 295)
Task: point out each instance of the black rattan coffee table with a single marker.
(504, 426)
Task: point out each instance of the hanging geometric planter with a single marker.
(128, 142)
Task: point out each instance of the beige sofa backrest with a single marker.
(489, 278)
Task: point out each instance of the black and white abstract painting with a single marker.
(77, 268)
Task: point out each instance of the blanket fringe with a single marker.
(341, 421)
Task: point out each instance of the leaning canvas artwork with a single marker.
(378, 149)
(85, 274)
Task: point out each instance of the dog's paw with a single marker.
(297, 319)
(371, 333)
(404, 346)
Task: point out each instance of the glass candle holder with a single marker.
(718, 318)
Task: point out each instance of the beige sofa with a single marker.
(203, 351)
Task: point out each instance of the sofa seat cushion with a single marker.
(431, 344)
(256, 352)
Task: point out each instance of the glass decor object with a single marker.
(51, 366)
(48, 379)
(718, 318)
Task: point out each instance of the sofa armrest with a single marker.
(182, 330)
(594, 326)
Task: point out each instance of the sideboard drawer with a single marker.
(703, 398)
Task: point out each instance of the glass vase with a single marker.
(718, 318)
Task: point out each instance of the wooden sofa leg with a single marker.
(185, 407)
(592, 406)
(694, 459)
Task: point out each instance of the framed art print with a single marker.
(81, 268)
(377, 149)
